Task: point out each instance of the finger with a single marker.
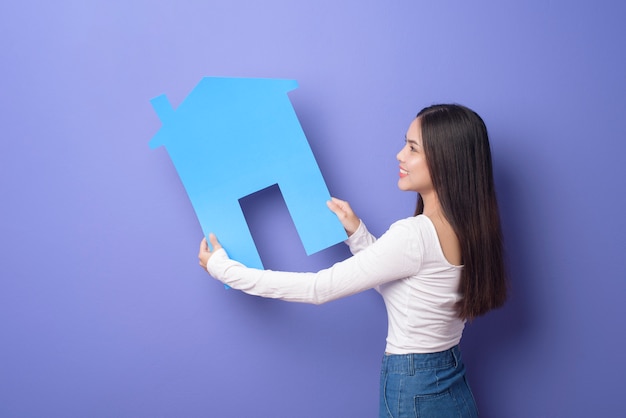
(340, 214)
(332, 206)
(340, 208)
(344, 205)
(337, 202)
(203, 245)
(214, 242)
(335, 205)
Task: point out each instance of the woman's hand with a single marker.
(345, 214)
(205, 253)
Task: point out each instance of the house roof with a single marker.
(231, 98)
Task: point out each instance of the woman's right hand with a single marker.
(345, 214)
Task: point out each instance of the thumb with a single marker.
(335, 205)
(214, 242)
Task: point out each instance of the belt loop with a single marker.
(411, 365)
(455, 353)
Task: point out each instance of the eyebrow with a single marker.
(411, 141)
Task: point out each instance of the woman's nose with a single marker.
(399, 155)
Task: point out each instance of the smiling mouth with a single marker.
(403, 173)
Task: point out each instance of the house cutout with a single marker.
(232, 137)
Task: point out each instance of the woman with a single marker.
(434, 270)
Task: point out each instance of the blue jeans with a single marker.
(425, 385)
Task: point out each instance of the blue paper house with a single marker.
(232, 137)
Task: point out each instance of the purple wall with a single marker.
(103, 308)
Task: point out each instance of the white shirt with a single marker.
(406, 266)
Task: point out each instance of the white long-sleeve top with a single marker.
(406, 266)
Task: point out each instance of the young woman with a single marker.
(434, 270)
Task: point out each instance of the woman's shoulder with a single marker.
(422, 231)
(414, 228)
(421, 222)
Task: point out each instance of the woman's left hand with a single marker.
(205, 252)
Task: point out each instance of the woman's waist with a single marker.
(411, 362)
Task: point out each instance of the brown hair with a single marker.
(457, 152)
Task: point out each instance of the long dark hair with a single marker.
(457, 152)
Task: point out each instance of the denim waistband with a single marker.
(410, 363)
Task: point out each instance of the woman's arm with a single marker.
(358, 236)
(396, 255)
(345, 214)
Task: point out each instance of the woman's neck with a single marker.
(432, 207)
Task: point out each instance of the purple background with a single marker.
(103, 308)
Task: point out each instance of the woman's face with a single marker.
(414, 174)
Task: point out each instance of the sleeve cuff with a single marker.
(217, 264)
